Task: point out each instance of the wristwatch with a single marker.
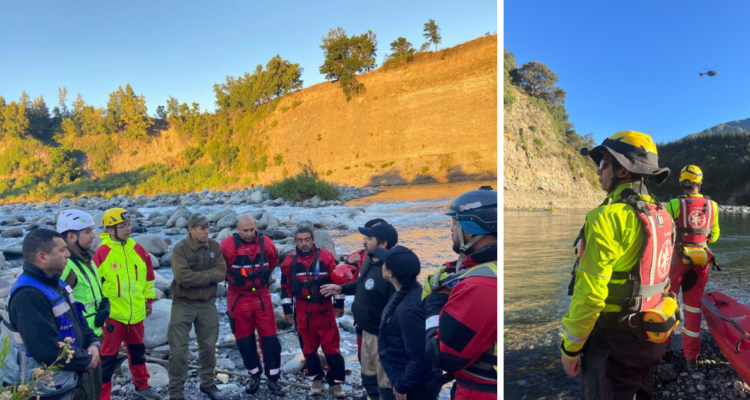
(98, 344)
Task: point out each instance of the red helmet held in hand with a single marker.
(344, 273)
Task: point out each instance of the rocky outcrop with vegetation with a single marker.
(542, 164)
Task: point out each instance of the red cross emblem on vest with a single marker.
(697, 219)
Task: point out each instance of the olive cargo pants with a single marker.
(206, 320)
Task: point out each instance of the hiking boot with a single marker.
(692, 363)
(316, 389)
(148, 393)
(337, 391)
(253, 385)
(275, 389)
(212, 392)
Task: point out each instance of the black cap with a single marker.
(402, 261)
(382, 231)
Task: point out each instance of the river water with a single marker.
(538, 260)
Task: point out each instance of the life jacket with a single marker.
(19, 364)
(247, 273)
(647, 281)
(485, 366)
(306, 282)
(88, 291)
(695, 220)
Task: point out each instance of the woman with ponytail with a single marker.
(401, 343)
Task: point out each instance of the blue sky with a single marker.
(633, 65)
(183, 48)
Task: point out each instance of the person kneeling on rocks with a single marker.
(302, 274)
(251, 258)
(198, 266)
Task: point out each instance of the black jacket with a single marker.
(401, 344)
(31, 313)
(371, 293)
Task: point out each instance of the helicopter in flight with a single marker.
(711, 72)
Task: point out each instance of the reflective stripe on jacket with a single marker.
(127, 278)
(613, 243)
(673, 207)
(88, 289)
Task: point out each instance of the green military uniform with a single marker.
(197, 268)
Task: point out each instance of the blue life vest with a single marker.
(19, 366)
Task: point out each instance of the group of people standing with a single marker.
(413, 339)
(635, 257)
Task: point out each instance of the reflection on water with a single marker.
(538, 259)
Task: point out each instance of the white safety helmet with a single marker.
(73, 220)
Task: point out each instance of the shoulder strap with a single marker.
(85, 275)
(262, 250)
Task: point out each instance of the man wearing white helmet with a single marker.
(77, 228)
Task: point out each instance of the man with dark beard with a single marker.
(303, 272)
(371, 293)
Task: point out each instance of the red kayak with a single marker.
(729, 322)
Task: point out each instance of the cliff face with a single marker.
(539, 170)
(431, 120)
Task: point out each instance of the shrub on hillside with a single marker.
(222, 153)
(63, 168)
(192, 154)
(303, 186)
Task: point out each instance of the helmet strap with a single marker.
(463, 247)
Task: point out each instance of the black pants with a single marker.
(618, 364)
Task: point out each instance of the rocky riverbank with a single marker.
(735, 209)
(159, 222)
(541, 375)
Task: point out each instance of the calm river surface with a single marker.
(538, 259)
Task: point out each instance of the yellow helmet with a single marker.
(635, 151)
(691, 173)
(115, 216)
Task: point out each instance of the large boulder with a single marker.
(156, 326)
(12, 252)
(154, 244)
(262, 222)
(166, 260)
(159, 221)
(159, 375)
(217, 215)
(228, 221)
(179, 213)
(273, 223)
(160, 280)
(256, 196)
(295, 365)
(4, 287)
(273, 234)
(225, 233)
(154, 261)
(12, 233)
(181, 223)
(281, 322)
(324, 240)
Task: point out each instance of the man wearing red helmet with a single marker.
(371, 293)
